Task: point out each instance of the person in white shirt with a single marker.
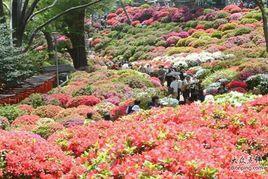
(134, 108)
(125, 66)
(175, 86)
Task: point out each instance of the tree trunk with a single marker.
(50, 45)
(17, 24)
(75, 23)
(265, 26)
(2, 13)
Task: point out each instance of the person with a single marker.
(107, 116)
(149, 69)
(125, 66)
(142, 69)
(134, 108)
(175, 87)
(89, 115)
(186, 88)
(168, 77)
(182, 74)
(154, 103)
(222, 89)
(201, 94)
(162, 74)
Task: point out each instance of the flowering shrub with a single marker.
(159, 142)
(45, 127)
(11, 112)
(4, 123)
(156, 82)
(234, 98)
(28, 155)
(25, 121)
(236, 84)
(222, 74)
(83, 100)
(49, 111)
(232, 8)
(61, 99)
(26, 108)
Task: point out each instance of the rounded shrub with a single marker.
(217, 34)
(248, 21)
(11, 112)
(242, 30)
(177, 50)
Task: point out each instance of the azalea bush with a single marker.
(28, 155)
(158, 142)
(234, 98)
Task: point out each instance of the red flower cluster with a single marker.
(202, 141)
(83, 100)
(237, 84)
(30, 156)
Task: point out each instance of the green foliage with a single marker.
(14, 65)
(84, 91)
(228, 26)
(198, 43)
(222, 74)
(217, 34)
(191, 24)
(145, 6)
(199, 34)
(177, 50)
(185, 42)
(219, 22)
(11, 112)
(222, 14)
(248, 21)
(254, 15)
(134, 79)
(34, 100)
(242, 30)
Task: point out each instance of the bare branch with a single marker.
(56, 17)
(42, 10)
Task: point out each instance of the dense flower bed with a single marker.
(28, 155)
(159, 30)
(202, 141)
(167, 142)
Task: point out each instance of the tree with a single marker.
(22, 11)
(72, 25)
(2, 13)
(14, 66)
(261, 5)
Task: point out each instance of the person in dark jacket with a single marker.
(154, 103)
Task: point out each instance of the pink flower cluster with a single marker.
(148, 16)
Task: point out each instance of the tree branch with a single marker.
(7, 8)
(56, 17)
(31, 10)
(42, 10)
